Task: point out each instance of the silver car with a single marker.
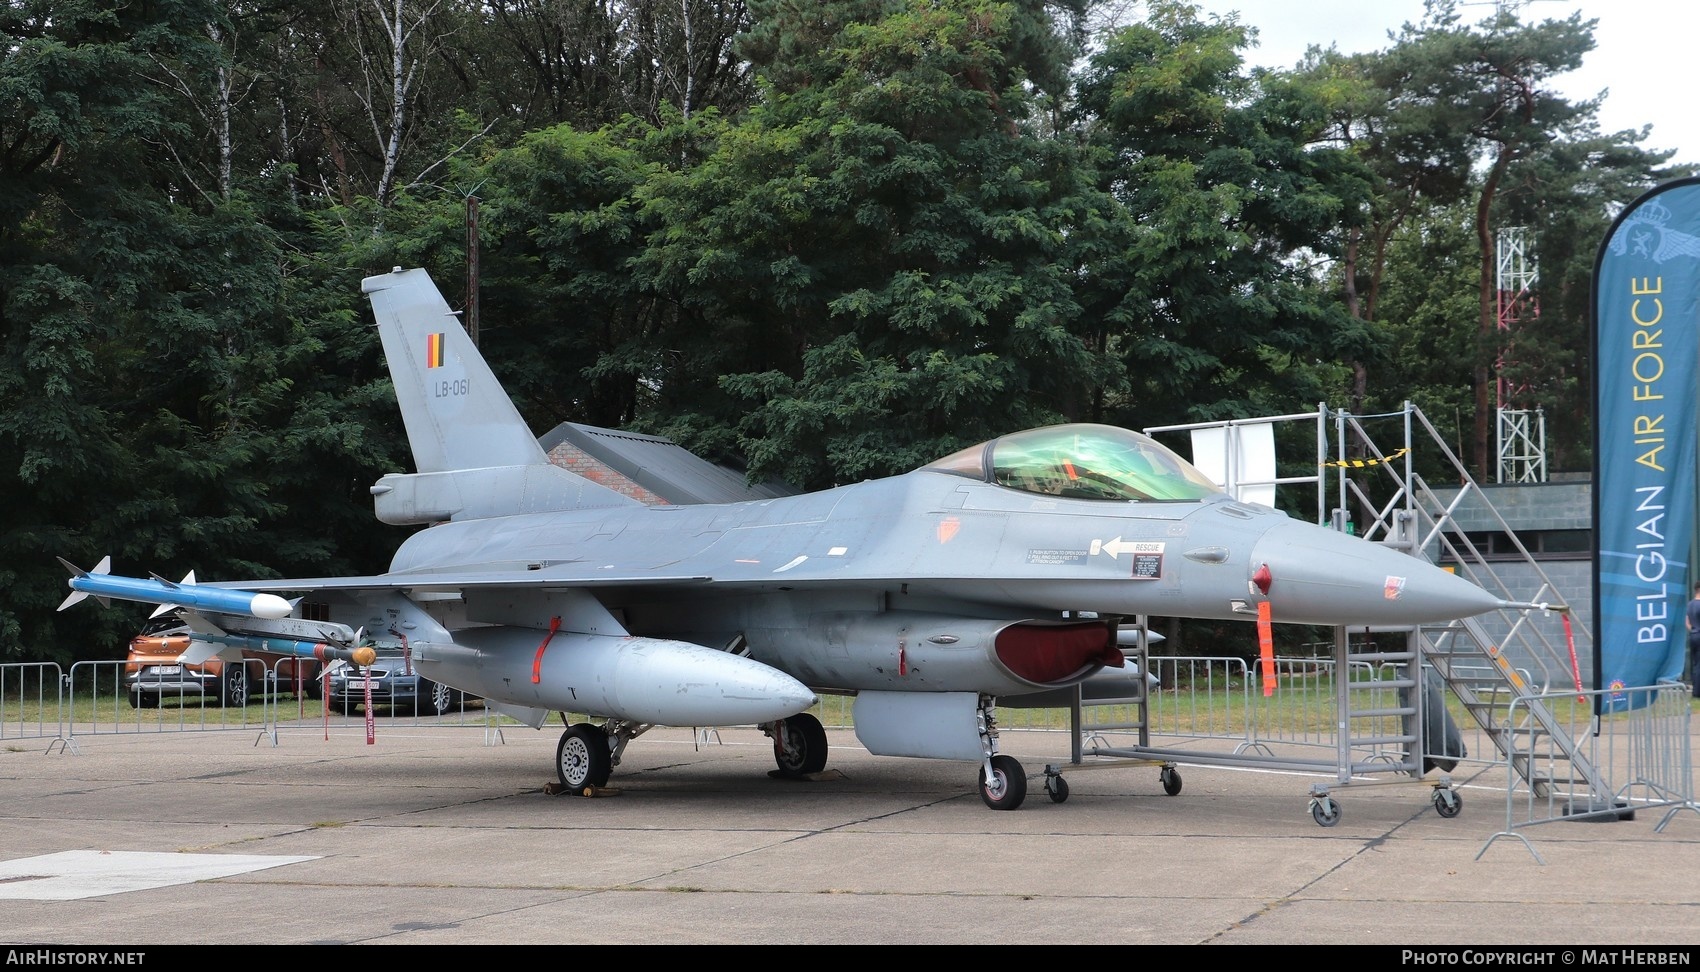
(391, 680)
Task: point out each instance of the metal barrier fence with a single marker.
(32, 700)
(1208, 710)
(98, 698)
(99, 701)
(1641, 750)
(1201, 700)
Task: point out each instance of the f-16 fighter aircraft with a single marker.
(999, 571)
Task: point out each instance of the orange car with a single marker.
(153, 671)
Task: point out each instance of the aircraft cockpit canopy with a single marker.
(1083, 462)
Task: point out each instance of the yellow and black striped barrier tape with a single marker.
(1362, 463)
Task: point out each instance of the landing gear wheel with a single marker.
(582, 759)
(233, 690)
(1057, 787)
(1007, 786)
(1447, 803)
(799, 745)
(1325, 811)
(1171, 780)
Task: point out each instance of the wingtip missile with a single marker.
(102, 584)
(76, 572)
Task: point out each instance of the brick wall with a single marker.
(576, 460)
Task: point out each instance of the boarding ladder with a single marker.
(1391, 684)
(1472, 657)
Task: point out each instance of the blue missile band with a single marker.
(277, 646)
(287, 646)
(198, 596)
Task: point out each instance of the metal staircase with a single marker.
(1390, 686)
(1472, 657)
(1535, 746)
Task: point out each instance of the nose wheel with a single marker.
(1003, 783)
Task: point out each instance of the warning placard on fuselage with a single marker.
(1051, 556)
(1148, 564)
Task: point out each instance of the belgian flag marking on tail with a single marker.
(434, 350)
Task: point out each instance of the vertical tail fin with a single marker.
(474, 453)
(456, 413)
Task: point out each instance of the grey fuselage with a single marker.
(789, 579)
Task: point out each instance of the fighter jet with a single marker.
(1000, 571)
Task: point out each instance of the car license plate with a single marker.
(168, 669)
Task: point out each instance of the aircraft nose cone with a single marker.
(1320, 576)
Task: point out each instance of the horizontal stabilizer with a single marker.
(404, 499)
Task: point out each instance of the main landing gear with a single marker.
(587, 753)
(799, 744)
(583, 759)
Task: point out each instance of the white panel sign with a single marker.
(1238, 458)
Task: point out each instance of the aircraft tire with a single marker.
(799, 745)
(582, 760)
(1008, 786)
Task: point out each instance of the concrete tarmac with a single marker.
(446, 836)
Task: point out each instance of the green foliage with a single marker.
(1229, 197)
(887, 256)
